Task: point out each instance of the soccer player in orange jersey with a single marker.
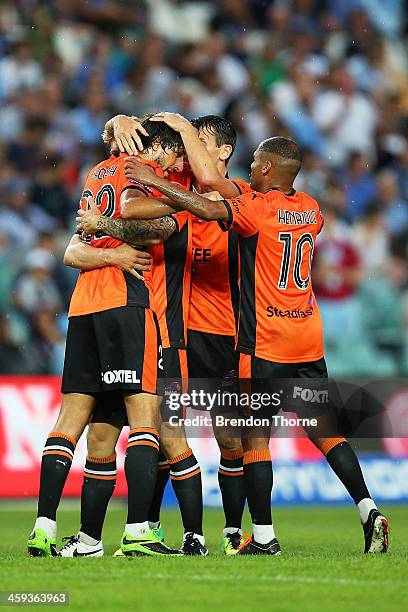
(112, 344)
(280, 330)
(209, 142)
(170, 282)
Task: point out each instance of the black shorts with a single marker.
(254, 367)
(308, 398)
(175, 363)
(211, 355)
(110, 406)
(116, 349)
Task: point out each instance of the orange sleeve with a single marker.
(244, 214)
(242, 186)
(181, 218)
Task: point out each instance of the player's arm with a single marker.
(85, 257)
(183, 200)
(243, 214)
(140, 231)
(135, 205)
(203, 167)
(131, 231)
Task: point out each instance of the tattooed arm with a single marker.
(138, 231)
(182, 199)
(132, 231)
(193, 202)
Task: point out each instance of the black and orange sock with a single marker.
(258, 485)
(97, 489)
(232, 485)
(344, 463)
(185, 477)
(55, 465)
(162, 479)
(141, 463)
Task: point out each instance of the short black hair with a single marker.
(222, 129)
(282, 147)
(158, 131)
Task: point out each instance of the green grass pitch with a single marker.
(321, 567)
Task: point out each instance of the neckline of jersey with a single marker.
(291, 193)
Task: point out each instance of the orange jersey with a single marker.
(171, 275)
(214, 299)
(171, 282)
(279, 319)
(109, 287)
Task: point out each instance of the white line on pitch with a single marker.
(283, 578)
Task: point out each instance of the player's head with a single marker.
(277, 161)
(217, 135)
(162, 145)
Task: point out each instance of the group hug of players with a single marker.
(219, 256)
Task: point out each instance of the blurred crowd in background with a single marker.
(334, 75)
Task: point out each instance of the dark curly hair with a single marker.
(158, 131)
(222, 129)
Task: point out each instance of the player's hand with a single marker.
(137, 171)
(87, 220)
(129, 260)
(212, 195)
(177, 122)
(126, 131)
